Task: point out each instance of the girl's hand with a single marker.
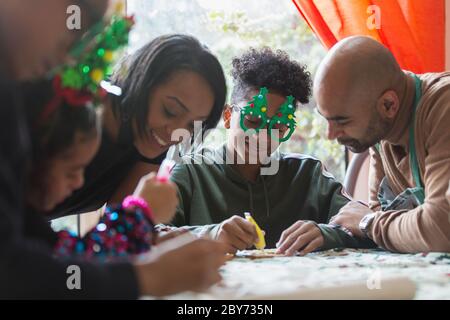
(160, 196)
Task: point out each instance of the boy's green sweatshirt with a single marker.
(211, 191)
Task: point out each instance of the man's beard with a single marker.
(354, 145)
(377, 129)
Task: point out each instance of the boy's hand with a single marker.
(237, 233)
(161, 197)
(303, 237)
(194, 266)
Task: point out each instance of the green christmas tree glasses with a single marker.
(254, 116)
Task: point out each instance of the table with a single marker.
(274, 277)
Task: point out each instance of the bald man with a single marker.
(404, 119)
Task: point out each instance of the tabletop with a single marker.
(332, 274)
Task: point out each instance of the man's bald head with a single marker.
(358, 64)
(356, 84)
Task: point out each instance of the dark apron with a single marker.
(411, 197)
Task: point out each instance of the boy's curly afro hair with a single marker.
(274, 70)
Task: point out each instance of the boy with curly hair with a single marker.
(294, 203)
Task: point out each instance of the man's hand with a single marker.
(350, 216)
(237, 233)
(303, 237)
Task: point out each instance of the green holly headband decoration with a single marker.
(103, 41)
(254, 116)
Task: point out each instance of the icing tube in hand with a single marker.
(164, 170)
(261, 243)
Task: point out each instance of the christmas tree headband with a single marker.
(254, 116)
(80, 83)
(96, 64)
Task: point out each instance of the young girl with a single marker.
(65, 141)
(167, 84)
(66, 137)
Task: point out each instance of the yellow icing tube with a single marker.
(261, 243)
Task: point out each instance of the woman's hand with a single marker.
(160, 196)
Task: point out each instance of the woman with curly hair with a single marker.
(292, 203)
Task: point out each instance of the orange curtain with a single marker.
(414, 30)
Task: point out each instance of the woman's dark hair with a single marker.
(154, 64)
(274, 70)
(57, 132)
